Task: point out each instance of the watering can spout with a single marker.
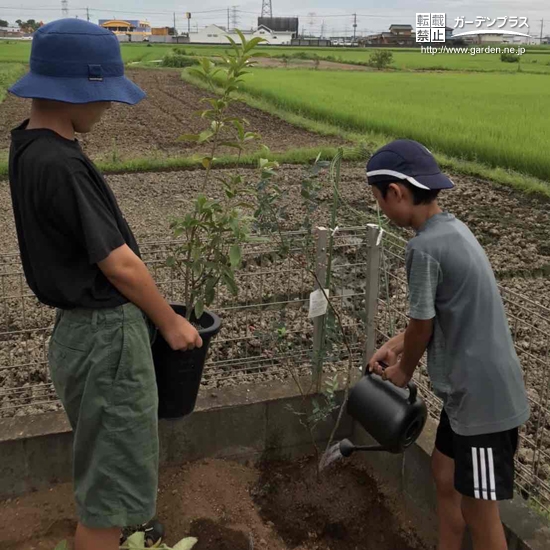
(347, 448)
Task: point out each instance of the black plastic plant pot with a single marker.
(179, 373)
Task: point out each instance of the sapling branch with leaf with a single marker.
(210, 236)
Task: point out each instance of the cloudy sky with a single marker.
(334, 16)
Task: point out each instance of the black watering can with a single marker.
(393, 416)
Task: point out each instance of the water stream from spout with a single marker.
(331, 455)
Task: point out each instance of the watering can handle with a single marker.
(413, 390)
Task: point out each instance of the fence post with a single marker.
(371, 290)
(319, 322)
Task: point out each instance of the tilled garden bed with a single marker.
(229, 506)
(152, 128)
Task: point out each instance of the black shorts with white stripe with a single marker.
(484, 464)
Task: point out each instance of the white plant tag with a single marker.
(318, 303)
(380, 234)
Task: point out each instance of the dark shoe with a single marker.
(154, 533)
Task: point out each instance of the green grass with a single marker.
(9, 73)
(490, 118)
(14, 52)
(371, 140)
(294, 156)
(533, 63)
(404, 59)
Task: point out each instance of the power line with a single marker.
(38, 9)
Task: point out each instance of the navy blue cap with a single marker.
(405, 159)
(76, 62)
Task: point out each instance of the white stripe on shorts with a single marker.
(476, 477)
(483, 468)
(492, 474)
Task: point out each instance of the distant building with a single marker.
(128, 29)
(162, 35)
(399, 35)
(546, 40)
(341, 41)
(401, 30)
(519, 40)
(280, 24)
(491, 38)
(311, 41)
(214, 34)
(11, 32)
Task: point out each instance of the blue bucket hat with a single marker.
(405, 159)
(76, 62)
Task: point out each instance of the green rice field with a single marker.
(537, 60)
(9, 73)
(492, 118)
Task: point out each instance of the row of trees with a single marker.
(28, 26)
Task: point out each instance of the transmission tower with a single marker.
(234, 18)
(311, 16)
(267, 8)
(65, 8)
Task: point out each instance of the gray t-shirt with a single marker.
(472, 362)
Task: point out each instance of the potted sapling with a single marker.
(210, 234)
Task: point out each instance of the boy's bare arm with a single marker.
(127, 272)
(416, 340)
(417, 337)
(388, 353)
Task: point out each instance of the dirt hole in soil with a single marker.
(343, 510)
(213, 535)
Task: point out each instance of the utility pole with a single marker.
(228, 25)
(354, 27)
(323, 29)
(175, 31)
(65, 8)
(188, 17)
(88, 14)
(541, 30)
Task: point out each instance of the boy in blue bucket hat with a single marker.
(80, 256)
(456, 314)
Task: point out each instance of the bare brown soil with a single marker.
(229, 506)
(152, 127)
(309, 64)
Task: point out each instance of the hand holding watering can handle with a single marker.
(413, 390)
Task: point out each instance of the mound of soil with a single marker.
(342, 509)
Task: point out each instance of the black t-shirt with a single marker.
(67, 220)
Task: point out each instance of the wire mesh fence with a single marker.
(273, 300)
(530, 325)
(267, 334)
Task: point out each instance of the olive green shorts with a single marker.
(102, 369)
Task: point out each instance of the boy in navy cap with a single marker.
(80, 256)
(456, 314)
